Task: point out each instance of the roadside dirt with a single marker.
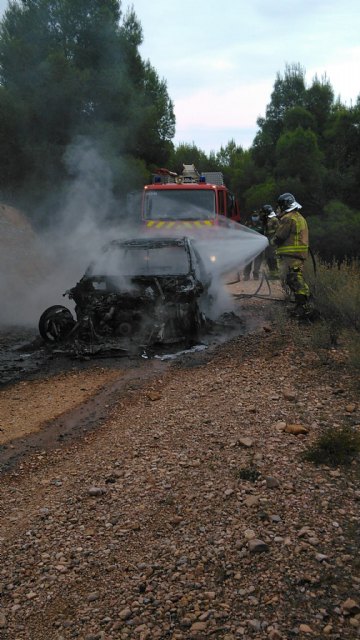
(40, 388)
(155, 499)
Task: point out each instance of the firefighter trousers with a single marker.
(291, 274)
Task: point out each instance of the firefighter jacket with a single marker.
(292, 236)
(271, 225)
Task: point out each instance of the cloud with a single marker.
(237, 106)
(342, 71)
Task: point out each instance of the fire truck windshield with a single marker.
(179, 204)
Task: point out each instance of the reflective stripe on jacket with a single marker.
(292, 236)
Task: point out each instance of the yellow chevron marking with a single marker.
(179, 223)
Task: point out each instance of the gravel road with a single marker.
(172, 501)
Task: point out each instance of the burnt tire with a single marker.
(56, 323)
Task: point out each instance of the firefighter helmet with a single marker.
(266, 209)
(287, 202)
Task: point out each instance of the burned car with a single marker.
(144, 291)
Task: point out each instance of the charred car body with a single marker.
(143, 292)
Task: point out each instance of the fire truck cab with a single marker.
(190, 200)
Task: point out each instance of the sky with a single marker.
(220, 58)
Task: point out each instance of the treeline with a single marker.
(71, 74)
(308, 143)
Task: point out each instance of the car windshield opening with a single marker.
(143, 261)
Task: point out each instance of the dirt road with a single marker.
(166, 499)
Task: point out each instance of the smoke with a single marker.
(36, 270)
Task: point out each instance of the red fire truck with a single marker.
(188, 202)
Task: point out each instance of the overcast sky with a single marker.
(220, 57)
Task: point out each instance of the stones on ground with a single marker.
(351, 606)
(198, 626)
(306, 532)
(271, 482)
(251, 501)
(249, 534)
(321, 557)
(125, 614)
(290, 395)
(96, 491)
(92, 597)
(350, 408)
(257, 546)
(134, 566)
(245, 442)
(305, 628)
(153, 395)
(328, 629)
(296, 429)
(274, 634)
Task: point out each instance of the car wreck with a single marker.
(136, 293)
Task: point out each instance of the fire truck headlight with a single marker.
(212, 258)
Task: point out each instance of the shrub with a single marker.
(249, 473)
(335, 447)
(336, 234)
(336, 292)
(335, 289)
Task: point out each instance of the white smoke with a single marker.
(36, 271)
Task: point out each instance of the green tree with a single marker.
(319, 101)
(156, 120)
(336, 234)
(74, 67)
(11, 170)
(299, 117)
(342, 148)
(308, 144)
(298, 156)
(289, 91)
(185, 153)
(259, 194)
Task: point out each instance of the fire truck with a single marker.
(191, 201)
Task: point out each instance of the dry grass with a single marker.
(335, 291)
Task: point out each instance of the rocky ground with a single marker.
(181, 506)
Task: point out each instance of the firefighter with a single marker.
(291, 240)
(270, 224)
(256, 224)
